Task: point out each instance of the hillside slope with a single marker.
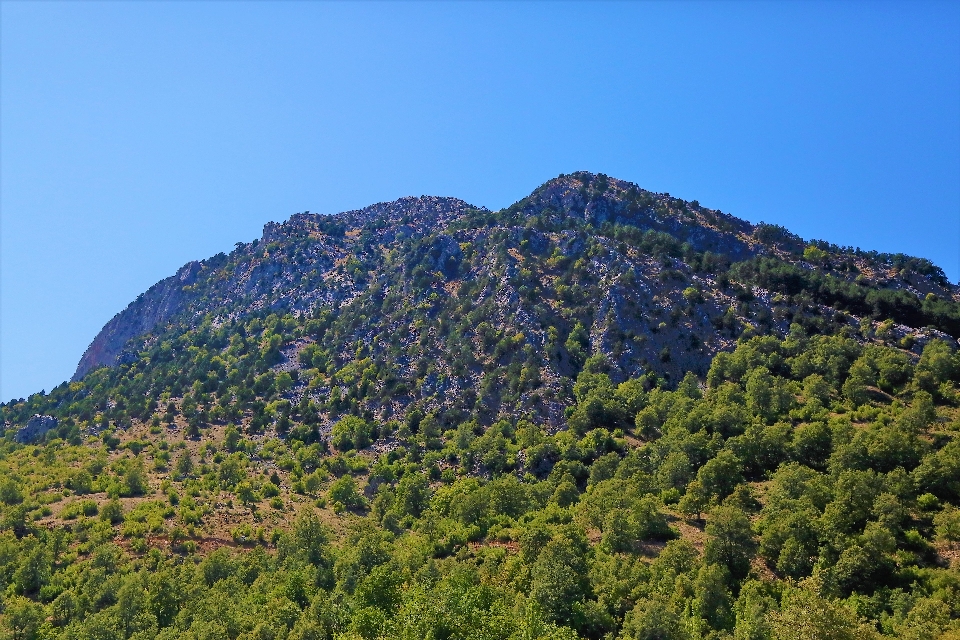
(600, 413)
(451, 298)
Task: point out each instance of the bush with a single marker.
(947, 524)
(345, 491)
(350, 432)
(10, 492)
(112, 512)
(82, 507)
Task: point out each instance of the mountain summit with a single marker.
(461, 308)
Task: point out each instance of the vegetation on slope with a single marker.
(599, 413)
(492, 314)
(808, 474)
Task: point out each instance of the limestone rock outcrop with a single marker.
(36, 428)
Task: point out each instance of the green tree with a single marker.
(112, 512)
(695, 501)
(34, 568)
(721, 474)
(133, 607)
(184, 465)
(311, 538)
(654, 618)
(10, 492)
(730, 542)
(246, 493)
(565, 494)
(231, 438)
(816, 388)
(937, 365)
(350, 432)
(413, 494)
(618, 534)
(22, 618)
(577, 344)
(344, 490)
(947, 524)
(805, 615)
(711, 599)
(855, 387)
(752, 609)
(135, 478)
(558, 577)
(232, 471)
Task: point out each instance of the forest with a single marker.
(807, 487)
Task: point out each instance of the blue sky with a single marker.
(138, 136)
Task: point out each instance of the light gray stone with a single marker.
(36, 428)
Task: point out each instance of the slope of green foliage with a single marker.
(808, 488)
(426, 420)
(896, 304)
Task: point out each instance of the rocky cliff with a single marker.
(453, 298)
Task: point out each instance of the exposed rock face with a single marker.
(268, 282)
(637, 272)
(160, 303)
(36, 428)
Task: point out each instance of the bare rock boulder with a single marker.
(36, 428)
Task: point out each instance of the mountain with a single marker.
(447, 298)
(599, 413)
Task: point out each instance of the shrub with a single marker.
(112, 512)
(344, 490)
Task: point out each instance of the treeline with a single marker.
(897, 304)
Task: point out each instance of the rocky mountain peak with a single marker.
(447, 295)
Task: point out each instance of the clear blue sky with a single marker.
(138, 136)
